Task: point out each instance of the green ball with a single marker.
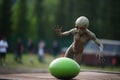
(64, 68)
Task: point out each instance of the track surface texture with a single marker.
(86, 75)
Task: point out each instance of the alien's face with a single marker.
(83, 28)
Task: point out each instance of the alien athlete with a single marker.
(81, 36)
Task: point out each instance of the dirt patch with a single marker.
(43, 74)
(21, 70)
(48, 76)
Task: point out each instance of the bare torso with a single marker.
(80, 39)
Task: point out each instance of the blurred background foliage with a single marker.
(36, 19)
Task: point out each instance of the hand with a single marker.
(100, 57)
(58, 30)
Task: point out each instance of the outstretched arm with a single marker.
(67, 32)
(59, 33)
(94, 38)
(100, 46)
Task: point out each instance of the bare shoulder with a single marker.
(90, 33)
(73, 30)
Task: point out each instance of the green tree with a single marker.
(49, 12)
(34, 19)
(5, 17)
(37, 14)
(114, 30)
(61, 13)
(19, 19)
(108, 19)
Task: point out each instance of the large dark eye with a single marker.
(83, 27)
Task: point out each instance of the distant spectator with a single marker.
(18, 55)
(41, 51)
(63, 51)
(114, 61)
(55, 48)
(3, 50)
(30, 48)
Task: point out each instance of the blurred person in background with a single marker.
(55, 48)
(114, 62)
(30, 48)
(41, 51)
(3, 50)
(18, 54)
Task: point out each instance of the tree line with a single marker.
(36, 19)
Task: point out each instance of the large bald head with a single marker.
(82, 21)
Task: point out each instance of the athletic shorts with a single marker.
(2, 55)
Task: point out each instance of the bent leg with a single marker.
(69, 52)
(78, 57)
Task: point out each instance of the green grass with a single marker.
(10, 62)
(107, 68)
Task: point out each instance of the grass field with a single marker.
(10, 62)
